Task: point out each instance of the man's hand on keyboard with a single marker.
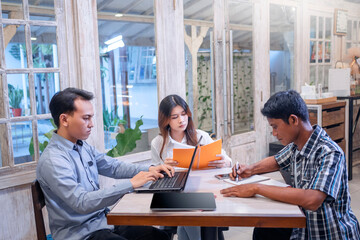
(160, 169)
(143, 177)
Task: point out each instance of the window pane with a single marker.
(45, 128)
(312, 75)
(198, 64)
(326, 78)
(200, 10)
(12, 9)
(46, 85)
(321, 76)
(21, 135)
(348, 33)
(19, 97)
(328, 28)
(312, 27)
(203, 114)
(312, 51)
(327, 51)
(126, 7)
(243, 84)
(42, 10)
(282, 28)
(44, 47)
(321, 27)
(15, 49)
(128, 70)
(245, 18)
(354, 35)
(320, 52)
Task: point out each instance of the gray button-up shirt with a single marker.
(69, 177)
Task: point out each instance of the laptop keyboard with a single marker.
(166, 182)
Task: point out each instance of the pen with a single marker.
(236, 169)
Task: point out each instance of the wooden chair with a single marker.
(39, 203)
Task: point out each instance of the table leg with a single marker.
(209, 233)
(350, 147)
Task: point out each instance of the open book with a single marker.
(206, 154)
(253, 179)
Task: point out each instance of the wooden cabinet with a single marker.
(331, 117)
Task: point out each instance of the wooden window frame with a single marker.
(320, 66)
(10, 174)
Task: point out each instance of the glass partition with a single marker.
(242, 83)
(128, 70)
(282, 27)
(198, 16)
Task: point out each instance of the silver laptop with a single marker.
(175, 183)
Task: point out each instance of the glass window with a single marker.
(42, 10)
(46, 85)
(320, 50)
(242, 62)
(19, 99)
(44, 47)
(21, 135)
(15, 49)
(282, 26)
(26, 90)
(128, 70)
(12, 9)
(198, 63)
(203, 113)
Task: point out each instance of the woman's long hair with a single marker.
(165, 108)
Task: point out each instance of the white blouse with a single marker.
(156, 144)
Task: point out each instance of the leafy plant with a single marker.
(15, 96)
(126, 142)
(112, 119)
(42, 145)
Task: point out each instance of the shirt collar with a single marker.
(64, 142)
(311, 142)
(171, 140)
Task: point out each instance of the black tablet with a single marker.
(183, 201)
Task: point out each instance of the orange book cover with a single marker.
(207, 154)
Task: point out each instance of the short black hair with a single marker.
(282, 104)
(63, 102)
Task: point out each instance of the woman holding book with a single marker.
(177, 131)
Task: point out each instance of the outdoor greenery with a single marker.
(111, 119)
(15, 96)
(126, 142)
(204, 98)
(42, 145)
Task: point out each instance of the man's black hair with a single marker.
(63, 102)
(282, 104)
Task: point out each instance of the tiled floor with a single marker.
(245, 233)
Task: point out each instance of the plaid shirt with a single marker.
(321, 165)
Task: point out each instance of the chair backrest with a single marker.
(39, 203)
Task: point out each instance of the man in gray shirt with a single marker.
(68, 173)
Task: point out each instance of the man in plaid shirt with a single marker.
(319, 181)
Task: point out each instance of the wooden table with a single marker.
(134, 208)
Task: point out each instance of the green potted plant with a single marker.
(15, 97)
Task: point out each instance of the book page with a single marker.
(207, 153)
(253, 179)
